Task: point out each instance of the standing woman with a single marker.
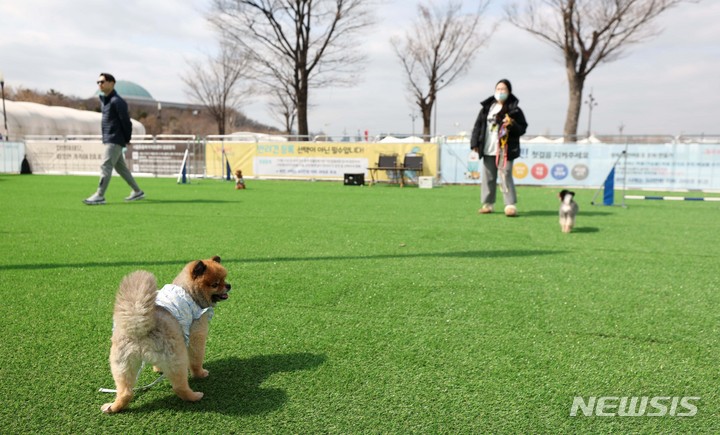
(496, 138)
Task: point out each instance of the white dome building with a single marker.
(33, 119)
(25, 119)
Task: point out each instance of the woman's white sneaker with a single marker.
(486, 209)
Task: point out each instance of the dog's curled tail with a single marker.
(135, 304)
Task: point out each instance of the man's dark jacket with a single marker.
(517, 127)
(116, 124)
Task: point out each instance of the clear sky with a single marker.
(668, 85)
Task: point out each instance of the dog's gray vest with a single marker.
(182, 306)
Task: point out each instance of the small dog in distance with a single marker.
(239, 181)
(568, 210)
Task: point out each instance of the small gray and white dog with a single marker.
(568, 210)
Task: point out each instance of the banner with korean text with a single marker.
(646, 166)
(312, 160)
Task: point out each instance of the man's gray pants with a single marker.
(488, 185)
(114, 159)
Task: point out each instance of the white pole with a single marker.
(182, 168)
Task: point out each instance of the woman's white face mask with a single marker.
(501, 92)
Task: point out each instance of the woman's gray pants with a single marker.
(488, 185)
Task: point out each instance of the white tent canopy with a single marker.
(409, 139)
(589, 139)
(542, 140)
(24, 118)
(249, 136)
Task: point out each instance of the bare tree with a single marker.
(282, 107)
(283, 100)
(588, 32)
(218, 82)
(302, 43)
(438, 49)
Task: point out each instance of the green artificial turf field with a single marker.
(364, 309)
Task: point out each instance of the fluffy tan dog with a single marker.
(166, 328)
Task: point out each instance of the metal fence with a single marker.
(11, 156)
(158, 156)
(687, 161)
(164, 155)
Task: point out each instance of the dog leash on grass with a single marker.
(143, 388)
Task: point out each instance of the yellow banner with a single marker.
(313, 160)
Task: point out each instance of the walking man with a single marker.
(116, 134)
